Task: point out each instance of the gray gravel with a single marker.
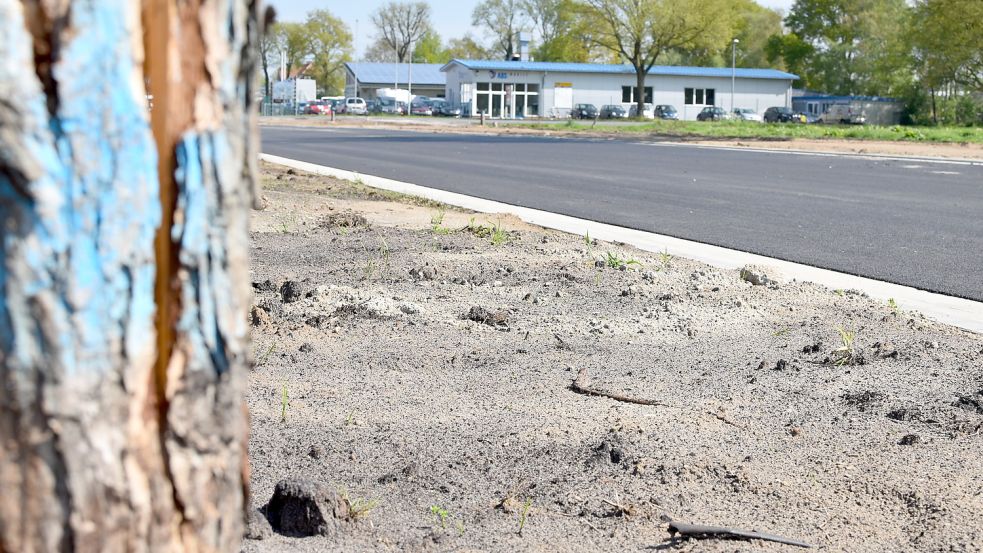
(428, 374)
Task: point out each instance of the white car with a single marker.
(747, 114)
(648, 111)
(356, 106)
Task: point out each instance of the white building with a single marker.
(294, 91)
(517, 89)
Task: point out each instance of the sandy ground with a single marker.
(452, 428)
(439, 125)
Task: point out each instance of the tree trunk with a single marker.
(640, 91)
(123, 273)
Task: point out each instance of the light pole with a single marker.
(733, 72)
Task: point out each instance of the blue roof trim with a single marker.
(665, 70)
(382, 73)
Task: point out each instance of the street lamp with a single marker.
(733, 72)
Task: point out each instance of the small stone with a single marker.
(315, 452)
(497, 284)
(795, 431)
(306, 347)
(259, 317)
(291, 291)
(910, 439)
(755, 276)
(301, 507)
(257, 527)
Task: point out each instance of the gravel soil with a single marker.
(418, 361)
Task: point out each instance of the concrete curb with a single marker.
(959, 312)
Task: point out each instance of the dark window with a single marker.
(482, 86)
(710, 97)
(648, 94)
(626, 94)
(689, 96)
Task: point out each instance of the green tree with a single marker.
(558, 29)
(503, 20)
(948, 42)
(465, 48)
(329, 46)
(401, 25)
(642, 31)
(429, 49)
(846, 46)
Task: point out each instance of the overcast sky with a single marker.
(452, 18)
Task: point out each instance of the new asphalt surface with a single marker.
(912, 222)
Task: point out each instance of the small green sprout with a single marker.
(441, 513)
(284, 403)
(498, 234)
(893, 305)
(665, 258)
(524, 514)
(845, 353)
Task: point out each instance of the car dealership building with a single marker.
(519, 89)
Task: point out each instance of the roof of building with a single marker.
(386, 73)
(559, 67)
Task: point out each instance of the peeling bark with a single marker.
(123, 273)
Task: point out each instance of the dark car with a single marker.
(436, 104)
(613, 111)
(665, 111)
(713, 113)
(448, 109)
(778, 114)
(584, 111)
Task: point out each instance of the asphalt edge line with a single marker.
(966, 314)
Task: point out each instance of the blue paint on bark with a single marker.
(199, 234)
(84, 239)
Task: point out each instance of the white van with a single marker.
(356, 106)
(843, 113)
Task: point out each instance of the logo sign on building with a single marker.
(562, 85)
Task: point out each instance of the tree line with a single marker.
(928, 53)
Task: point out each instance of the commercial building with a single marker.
(363, 79)
(519, 89)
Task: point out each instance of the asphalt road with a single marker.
(908, 222)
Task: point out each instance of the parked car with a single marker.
(436, 104)
(448, 109)
(777, 114)
(648, 112)
(843, 113)
(390, 106)
(338, 105)
(613, 111)
(665, 111)
(712, 113)
(318, 107)
(746, 114)
(420, 107)
(584, 111)
(356, 106)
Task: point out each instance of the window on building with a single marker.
(630, 93)
(699, 96)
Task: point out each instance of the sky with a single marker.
(451, 18)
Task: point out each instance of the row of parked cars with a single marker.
(420, 105)
(709, 113)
